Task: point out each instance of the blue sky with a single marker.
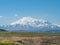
(12, 10)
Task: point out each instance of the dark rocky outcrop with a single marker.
(3, 30)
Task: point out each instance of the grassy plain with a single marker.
(29, 38)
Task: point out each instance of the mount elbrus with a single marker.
(29, 24)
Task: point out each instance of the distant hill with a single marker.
(3, 30)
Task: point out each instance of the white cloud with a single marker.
(1, 16)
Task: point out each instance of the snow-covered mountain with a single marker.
(31, 24)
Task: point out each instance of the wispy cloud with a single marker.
(1, 16)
